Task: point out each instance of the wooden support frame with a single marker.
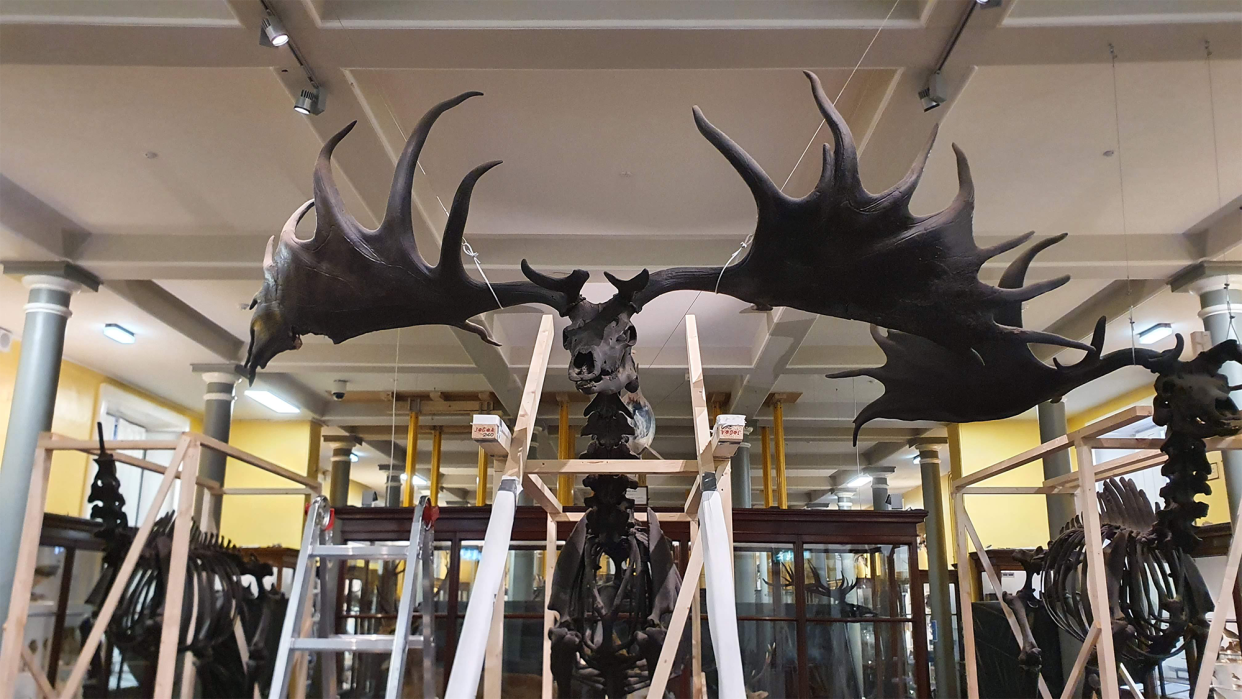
(1082, 484)
(187, 451)
(710, 448)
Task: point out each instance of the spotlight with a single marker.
(1155, 333)
(934, 94)
(273, 31)
(310, 102)
(353, 458)
(858, 481)
(988, 3)
(116, 333)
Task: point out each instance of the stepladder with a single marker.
(318, 560)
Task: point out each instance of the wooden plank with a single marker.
(994, 579)
(1224, 609)
(1099, 427)
(1112, 468)
(694, 499)
(1135, 692)
(523, 428)
(625, 466)
(56, 442)
(1080, 663)
(1123, 443)
(698, 398)
(248, 458)
(24, 571)
(696, 624)
(70, 689)
(538, 491)
(266, 491)
(38, 673)
(1097, 584)
(178, 566)
(113, 447)
(990, 490)
(549, 617)
(1223, 443)
(965, 589)
(677, 624)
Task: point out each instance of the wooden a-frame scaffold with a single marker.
(708, 509)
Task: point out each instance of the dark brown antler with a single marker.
(925, 381)
(347, 281)
(844, 252)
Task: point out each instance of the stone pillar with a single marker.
(739, 481)
(34, 395)
(879, 493)
(341, 461)
(845, 499)
(1061, 508)
(944, 657)
(217, 419)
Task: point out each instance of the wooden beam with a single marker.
(698, 397)
(966, 598)
(1097, 584)
(629, 466)
(1224, 609)
(523, 429)
(549, 616)
(534, 486)
(677, 624)
(23, 577)
(178, 566)
(1080, 663)
(253, 460)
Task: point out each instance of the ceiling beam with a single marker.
(787, 328)
(159, 303)
(34, 221)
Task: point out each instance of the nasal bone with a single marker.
(584, 360)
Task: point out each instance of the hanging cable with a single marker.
(392, 442)
(1207, 64)
(1121, 182)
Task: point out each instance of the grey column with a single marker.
(944, 648)
(217, 420)
(879, 492)
(338, 488)
(34, 399)
(739, 480)
(1061, 508)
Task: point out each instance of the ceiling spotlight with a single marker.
(353, 458)
(116, 333)
(272, 402)
(858, 481)
(310, 102)
(1155, 333)
(273, 31)
(988, 3)
(934, 94)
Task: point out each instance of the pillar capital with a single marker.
(211, 377)
(1208, 276)
(59, 275)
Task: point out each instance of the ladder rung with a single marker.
(353, 643)
(391, 552)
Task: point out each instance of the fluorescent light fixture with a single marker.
(272, 402)
(273, 31)
(353, 458)
(420, 481)
(116, 333)
(858, 481)
(1155, 333)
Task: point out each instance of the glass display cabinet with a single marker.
(829, 604)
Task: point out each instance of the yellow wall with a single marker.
(1003, 521)
(77, 408)
(269, 520)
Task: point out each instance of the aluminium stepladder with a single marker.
(414, 552)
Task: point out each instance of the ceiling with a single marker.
(153, 143)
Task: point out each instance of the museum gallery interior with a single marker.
(600, 349)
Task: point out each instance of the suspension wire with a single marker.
(1207, 64)
(392, 442)
(1121, 182)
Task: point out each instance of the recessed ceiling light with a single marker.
(1155, 333)
(858, 481)
(271, 401)
(116, 333)
(151, 155)
(1109, 153)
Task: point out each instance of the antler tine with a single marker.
(289, 233)
(627, 288)
(965, 198)
(400, 197)
(328, 203)
(761, 186)
(1015, 276)
(455, 227)
(570, 285)
(845, 155)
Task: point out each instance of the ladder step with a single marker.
(353, 643)
(391, 552)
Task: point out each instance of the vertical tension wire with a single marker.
(1121, 182)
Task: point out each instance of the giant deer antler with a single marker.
(347, 281)
(925, 381)
(844, 252)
